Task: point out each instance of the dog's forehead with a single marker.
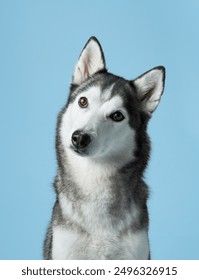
(103, 87)
(107, 93)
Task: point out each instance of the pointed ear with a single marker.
(149, 87)
(91, 60)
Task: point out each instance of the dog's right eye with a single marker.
(83, 102)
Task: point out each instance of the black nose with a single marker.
(80, 139)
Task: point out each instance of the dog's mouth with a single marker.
(80, 152)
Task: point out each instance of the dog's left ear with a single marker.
(149, 88)
(91, 61)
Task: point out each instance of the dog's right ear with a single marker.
(91, 61)
(149, 87)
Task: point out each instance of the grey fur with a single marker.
(127, 184)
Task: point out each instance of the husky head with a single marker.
(106, 116)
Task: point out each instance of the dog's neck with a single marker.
(92, 177)
(88, 173)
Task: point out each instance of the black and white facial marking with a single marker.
(96, 124)
(105, 112)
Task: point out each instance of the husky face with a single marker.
(104, 111)
(100, 127)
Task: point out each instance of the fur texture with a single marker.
(102, 151)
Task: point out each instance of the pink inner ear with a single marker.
(147, 95)
(86, 67)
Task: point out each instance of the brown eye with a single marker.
(83, 102)
(117, 116)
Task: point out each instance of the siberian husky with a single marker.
(102, 151)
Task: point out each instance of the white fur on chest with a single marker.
(101, 238)
(74, 245)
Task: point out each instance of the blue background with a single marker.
(40, 42)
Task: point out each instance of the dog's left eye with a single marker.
(83, 102)
(117, 116)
